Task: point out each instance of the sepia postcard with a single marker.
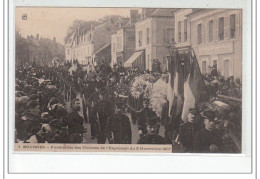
(138, 80)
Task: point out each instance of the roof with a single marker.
(162, 12)
(195, 11)
(70, 40)
(102, 48)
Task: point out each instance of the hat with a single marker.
(209, 115)
(23, 99)
(30, 115)
(45, 115)
(151, 121)
(32, 104)
(33, 96)
(53, 101)
(192, 110)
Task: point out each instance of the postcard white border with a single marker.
(132, 162)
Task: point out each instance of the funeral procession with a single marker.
(158, 76)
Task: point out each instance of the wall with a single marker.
(180, 15)
(68, 56)
(220, 50)
(159, 24)
(113, 49)
(156, 49)
(129, 42)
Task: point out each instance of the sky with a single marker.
(54, 22)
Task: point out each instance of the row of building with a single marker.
(137, 41)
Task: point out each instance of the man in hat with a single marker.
(75, 121)
(102, 110)
(208, 140)
(188, 131)
(119, 127)
(142, 117)
(152, 136)
(92, 100)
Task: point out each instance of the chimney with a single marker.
(133, 17)
(54, 39)
(28, 36)
(37, 36)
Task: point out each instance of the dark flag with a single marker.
(194, 88)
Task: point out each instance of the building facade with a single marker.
(153, 33)
(216, 37)
(123, 40)
(182, 27)
(83, 45)
(122, 45)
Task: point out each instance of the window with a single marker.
(170, 35)
(131, 37)
(221, 28)
(164, 36)
(199, 33)
(185, 30)
(140, 38)
(117, 42)
(179, 31)
(232, 26)
(68, 51)
(210, 31)
(121, 44)
(226, 68)
(148, 61)
(147, 36)
(215, 64)
(204, 67)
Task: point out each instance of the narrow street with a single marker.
(87, 136)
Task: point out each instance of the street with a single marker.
(135, 136)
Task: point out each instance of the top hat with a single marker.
(209, 115)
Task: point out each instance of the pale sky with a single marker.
(54, 22)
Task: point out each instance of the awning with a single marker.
(132, 59)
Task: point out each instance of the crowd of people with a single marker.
(47, 108)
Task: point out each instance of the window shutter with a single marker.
(164, 36)
(238, 19)
(226, 27)
(216, 28)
